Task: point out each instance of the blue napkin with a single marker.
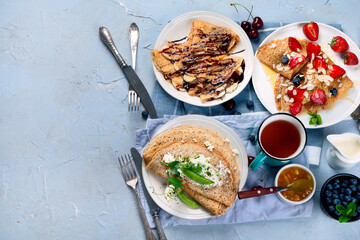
(253, 209)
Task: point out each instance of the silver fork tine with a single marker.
(122, 168)
(128, 168)
(138, 103)
(129, 96)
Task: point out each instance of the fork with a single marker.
(130, 177)
(134, 100)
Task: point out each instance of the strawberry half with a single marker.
(350, 59)
(296, 93)
(311, 49)
(294, 61)
(318, 97)
(295, 108)
(311, 31)
(319, 62)
(294, 44)
(339, 44)
(336, 71)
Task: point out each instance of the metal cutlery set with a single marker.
(137, 93)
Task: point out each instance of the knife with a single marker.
(129, 73)
(259, 191)
(152, 205)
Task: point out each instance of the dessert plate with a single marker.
(342, 108)
(180, 28)
(156, 184)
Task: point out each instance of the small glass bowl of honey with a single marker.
(300, 182)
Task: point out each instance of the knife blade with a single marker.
(129, 73)
(259, 192)
(152, 205)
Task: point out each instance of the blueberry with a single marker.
(358, 209)
(335, 196)
(347, 198)
(353, 187)
(355, 214)
(341, 196)
(301, 76)
(342, 190)
(284, 59)
(336, 201)
(345, 203)
(354, 181)
(357, 195)
(333, 91)
(330, 187)
(354, 199)
(345, 183)
(328, 200)
(336, 181)
(144, 114)
(331, 208)
(249, 104)
(348, 191)
(296, 81)
(358, 187)
(336, 185)
(252, 138)
(328, 193)
(336, 191)
(337, 213)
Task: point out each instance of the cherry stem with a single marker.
(234, 4)
(250, 13)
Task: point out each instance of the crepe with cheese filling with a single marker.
(204, 136)
(223, 192)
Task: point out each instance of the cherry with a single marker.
(253, 34)
(246, 26)
(250, 159)
(229, 105)
(257, 23)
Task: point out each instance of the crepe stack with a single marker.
(202, 65)
(189, 141)
(270, 55)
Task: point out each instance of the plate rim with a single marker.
(179, 121)
(347, 111)
(194, 100)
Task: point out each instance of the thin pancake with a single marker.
(224, 194)
(271, 53)
(197, 134)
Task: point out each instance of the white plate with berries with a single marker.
(343, 108)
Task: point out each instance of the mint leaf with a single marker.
(341, 209)
(351, 208)
(319, 120)
(312, 114)
(343, 218)
(315, 119)
(176, 182)
(174, 167)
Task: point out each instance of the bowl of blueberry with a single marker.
(340, 197)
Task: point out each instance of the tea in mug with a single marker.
(280, 139)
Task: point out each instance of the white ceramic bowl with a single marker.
(285, 200)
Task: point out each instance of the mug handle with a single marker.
(258, 161)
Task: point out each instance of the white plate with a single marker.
(343, 108)
(179, 28)
(156, 185)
